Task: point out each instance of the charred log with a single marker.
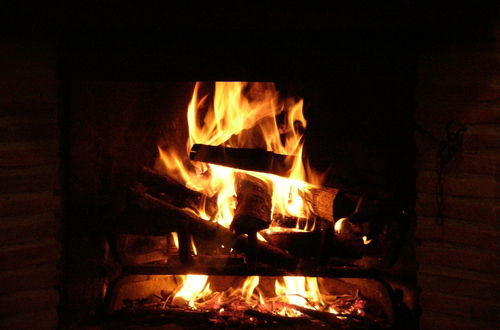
(327, 203)
(163, 187)
(330, 203)
(253, 209)
(253, 212)
(243, 158)
(148, 215)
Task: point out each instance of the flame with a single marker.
(175, 239)
(243, 115)
(366, 240)
(249, 286)
(292, 294)
(301, 291)
(339, 224)
(193, 287)
(193, 246)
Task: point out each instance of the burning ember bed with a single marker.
(231, 301)
(236, 229)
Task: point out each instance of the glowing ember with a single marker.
(243, 115)
(292, 296)
(339, 224)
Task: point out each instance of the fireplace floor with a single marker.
(155, 302)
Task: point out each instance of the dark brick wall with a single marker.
(459, 264)
(29, 203)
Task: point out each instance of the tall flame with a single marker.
(243, 115)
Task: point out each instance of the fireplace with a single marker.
(132, 249)
(87, 98)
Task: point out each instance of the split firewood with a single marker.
(330, 203)
(253, 211)
(243, 158)
(325, 202)
(148, 215)
(325, 317)
(174, 192)
(139, 249)
(253, 208)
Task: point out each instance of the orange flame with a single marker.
(290, 292)
(366, 240)
(243, 115)
(249, 286)
(301, 291)
(193, 287)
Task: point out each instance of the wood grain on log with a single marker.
(174, 192)
(325, 202)
(330, 203)
(253, 209)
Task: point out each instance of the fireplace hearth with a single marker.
(135, 223)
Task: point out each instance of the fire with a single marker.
(243, 115)
(300, 291)
(339, 224)
(193, 287)
(366, 240)
(291, 296)
(249, 286)
(289, 291)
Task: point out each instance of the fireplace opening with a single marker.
(232, 202)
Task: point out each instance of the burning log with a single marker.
(253, 210)
(325, 202)
(287, 239)
(152, 216)
(325, 317)
(330, 203)
(243, 158)
(173, 191)
(278, 319)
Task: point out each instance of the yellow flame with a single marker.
(193, 287)
(243, 115)
(339, 225)
(332, 310)
(366, 240)
(193, 246)
(290, 291)
(299, 290)
(249, 286)
(175, 238)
